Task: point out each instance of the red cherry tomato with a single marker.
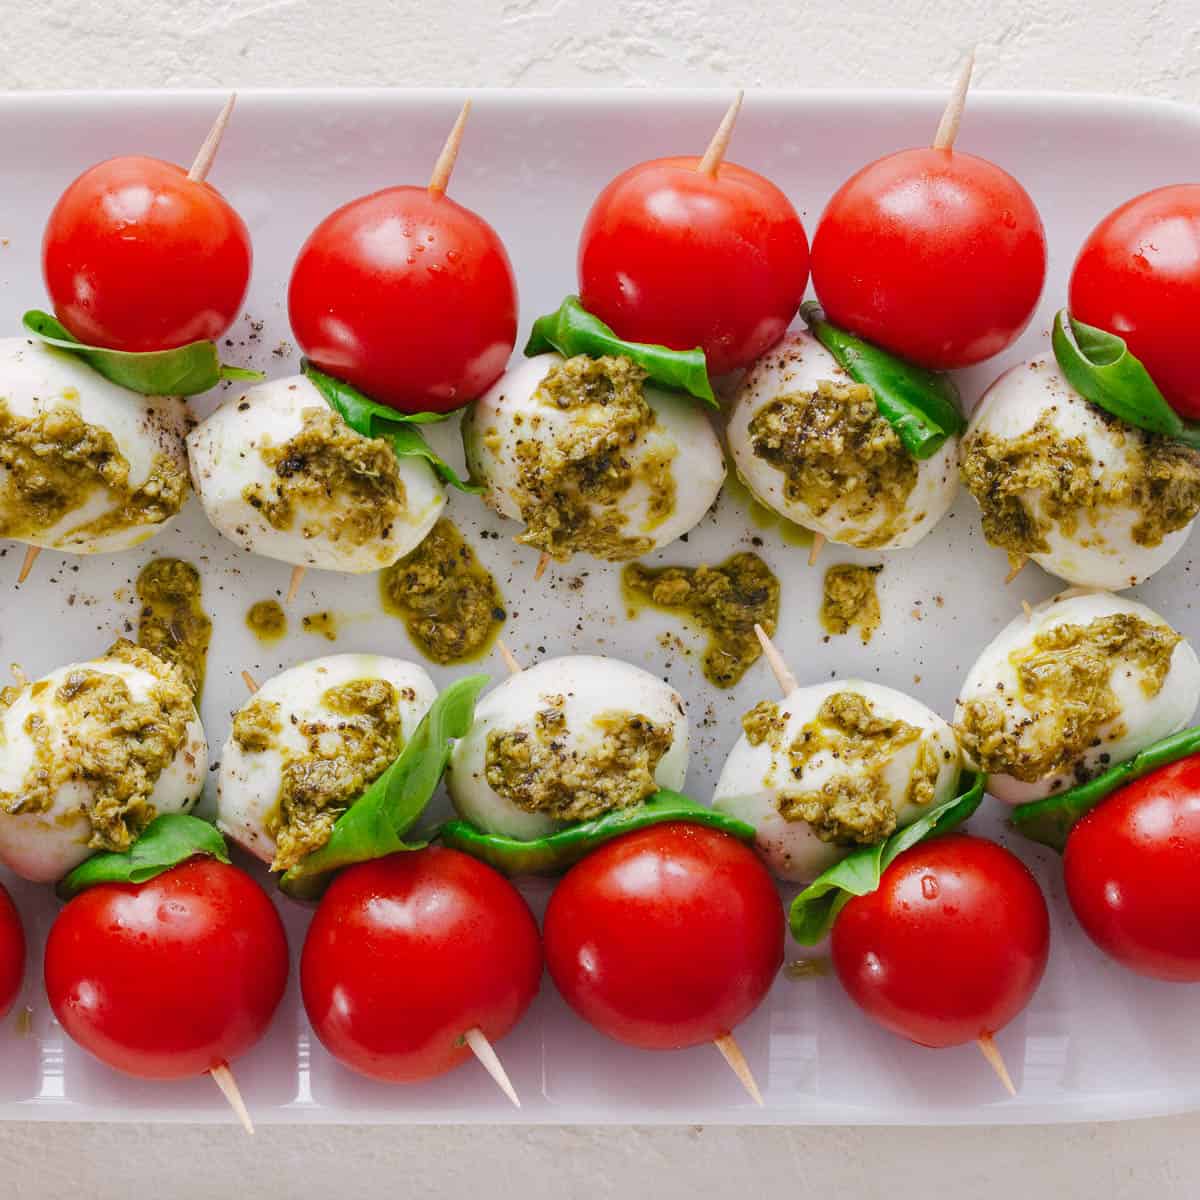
(936, 255)
(1132, 869)
(408, 296)
(681, 258)
(667, 937)
(407, 953)
(950, 947)
(12, 952)
(137, 256)
(170, 978)
(1138, 276)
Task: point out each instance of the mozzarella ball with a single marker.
(516, 442)
(566, 712)
(87, 466)
(814, 791)
(1082, 683)
(306, 727)
(282, 475)
(888, 502)
(1092, 500)
(45, 843)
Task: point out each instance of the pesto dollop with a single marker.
(172, 622)
(448, 600)
(538, 770)
(849, 600)
(726, 601)
(351, 482)
(51, 464)
(834, 449)
(267, 620)
(1064, 678)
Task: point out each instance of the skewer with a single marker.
(294, 584)
(202, 163)
(1027, 608)
(250, 682)
(731, 1052)
(715, 154)
(31, 556)
(779, 668)
(508, 657)
(542, 563)
(222, 1076)
(818, 544)
(1015, 571)
(440, 179)
(490, 1061)
(991, 1052)
(947, 129)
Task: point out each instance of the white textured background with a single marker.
(1150, 47)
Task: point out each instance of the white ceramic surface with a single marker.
(1095, 1042)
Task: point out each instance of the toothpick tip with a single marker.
(715, 154)
(947, 130)
(294, 584)
(223, 1077)
(814, 551)
(203, 161)
(510, 660)
(542, 563)
(485, 1052)
(731, 1052)
(439, 180)
(995, 1060)
(250, 682)
(31, 556)
(775, 660)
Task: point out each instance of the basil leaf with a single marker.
(170, 839)
(815, 909)
(1100, 368)
(373, 420)
(922, 406)
(573, 330)
(184, 371)
(1051, 819)
(375, 824)
(554, 854)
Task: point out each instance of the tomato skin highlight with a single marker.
(169, 978)
(936, 255)
(406, 953)
(136, 256)
(408, 296)
(950, 947)
(665, 938)
(672, 256)
(1132, 870)
(1138, 276)
(12, 952)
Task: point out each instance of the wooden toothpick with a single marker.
(508, 657)
(731, 1052)
(250, 682)
(31, 556)
(991, 1052)
(1013, 572)
(203, 161)
(223, 1077)
(779, 668)
(715, 154)
(294, 584)
(947, 129)
(442, 169)
(542, 563)
(490, 1061)
(814, 551)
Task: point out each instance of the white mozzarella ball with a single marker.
(249, 785)
(37, 379)
(1142, 719)
(756, 777)
(590, 687)
(226, 453)
(1100, 551)
(510, 415)
(799, 364)
(44, 846)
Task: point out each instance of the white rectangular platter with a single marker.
(1095, 1043)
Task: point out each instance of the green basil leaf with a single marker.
(184, 371)
(815, 909)
(922, 406)
(373, 420)
(1100, 368)
(375, 824)
(170, 839)
(573, 330)
(1051, 819)
(554, 854)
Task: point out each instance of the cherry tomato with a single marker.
(12, 952)
(1132, 869)
(936, 255)
(681, 258)
(1138, 276)
(667, 937)
(170, 978)
(950, 947)
(408, 296)
(407, 953)
(137, 256)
